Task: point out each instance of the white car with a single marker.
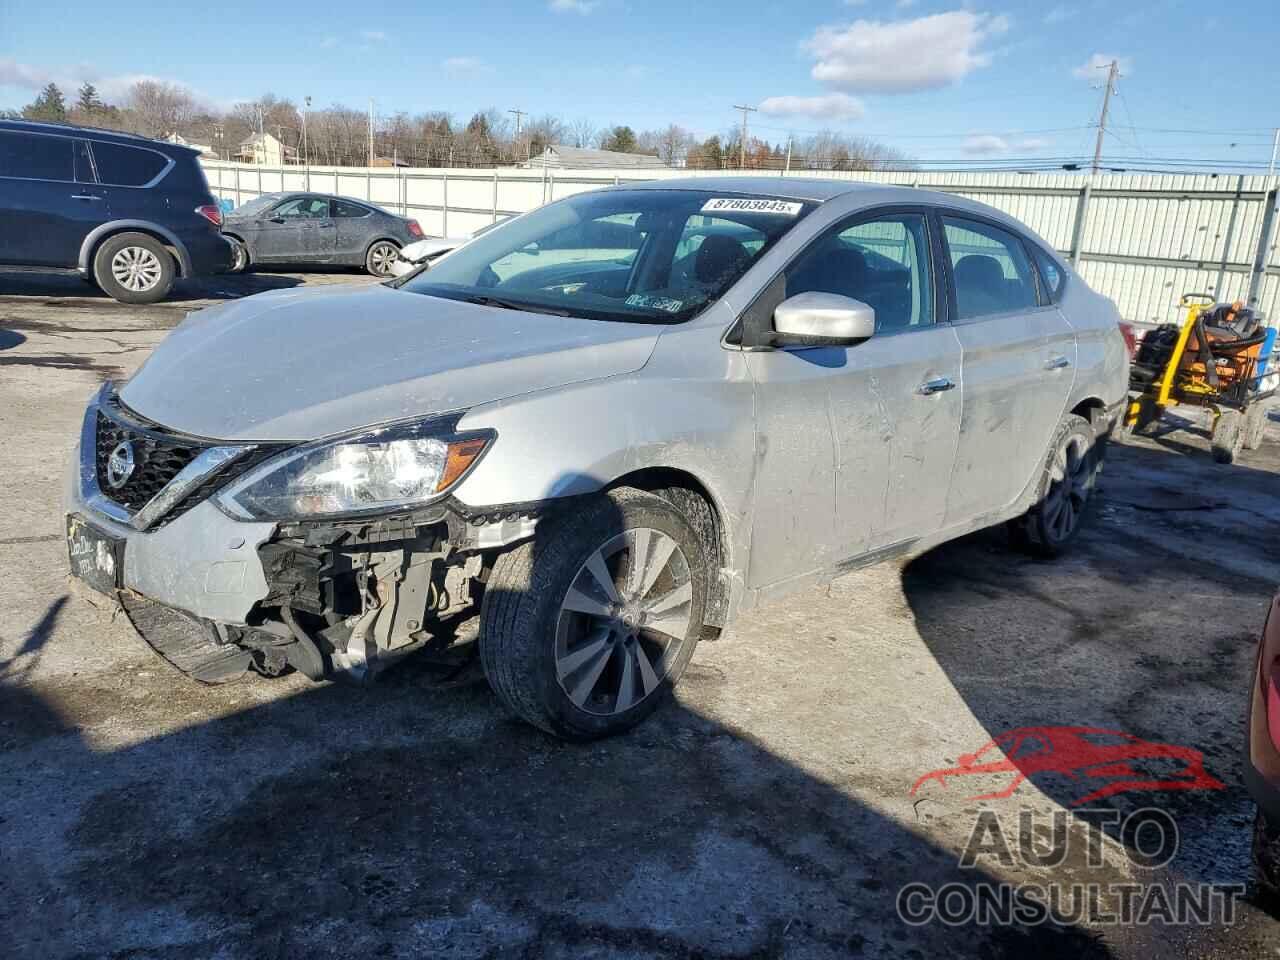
(414, 255)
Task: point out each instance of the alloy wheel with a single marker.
(1070, 484)
(623, 621)
(382, 257)
(136, 268)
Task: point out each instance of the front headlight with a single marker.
(403, 465)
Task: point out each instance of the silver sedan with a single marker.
(610, 426)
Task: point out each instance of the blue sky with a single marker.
(940, 79)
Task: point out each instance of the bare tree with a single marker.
(583, 133)
(156, 108)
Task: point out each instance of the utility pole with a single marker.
(519, 115)
(788, 168)
(371, 131)
(306, 108)
(1113, 71)
(1275, 153)
(742, 149)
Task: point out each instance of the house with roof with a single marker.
(559, 156)
(265, 149)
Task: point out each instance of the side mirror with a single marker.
(822, 320)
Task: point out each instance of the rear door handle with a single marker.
(84, 196)
(326, 225)
(1057, 363)
(938, 385)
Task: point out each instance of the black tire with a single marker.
(1255, 424)
(1228, 436)
(154, 281)
(239, 256)
(1047, 530)
(1266, 864)
(375, 258)
(520, 615)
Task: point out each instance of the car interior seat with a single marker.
(980, 285)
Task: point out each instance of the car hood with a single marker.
(303, 364)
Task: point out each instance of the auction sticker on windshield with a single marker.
(752, 205)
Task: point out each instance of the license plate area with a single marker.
(95, 557)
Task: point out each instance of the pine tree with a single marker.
(89, 100)
(49, 106)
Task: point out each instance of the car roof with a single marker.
(788, 188)
(94, 133)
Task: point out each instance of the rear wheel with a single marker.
(381, 258)
(1227, 436)
(1255, 424)
(134, 268)
(1066, 486)
(586, 629)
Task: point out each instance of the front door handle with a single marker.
(326, 225)
(936, 386)
(1057, 363)
(84, 196)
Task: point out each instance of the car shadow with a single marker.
(412, 819)
(1148, 627)
(57, 286)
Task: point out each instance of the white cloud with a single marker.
(583, 7)
(69, 78)
(373, 36)
(465, 66)
(1059, 14)
(985, 145)
(836, 106)
(903, 56)
(993, 145)
(1095, 67)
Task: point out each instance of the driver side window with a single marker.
(313, 207)
(883, 262)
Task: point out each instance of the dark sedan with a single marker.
(280, 228)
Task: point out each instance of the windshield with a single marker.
(258, 203)
(655, 256)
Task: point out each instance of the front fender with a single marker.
(689, 409)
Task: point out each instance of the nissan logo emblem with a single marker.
(120, 465)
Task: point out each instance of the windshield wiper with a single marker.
(486, 301)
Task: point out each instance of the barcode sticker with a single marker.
(787, 208)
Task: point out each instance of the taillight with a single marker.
(1130, 338)
(415, 231)
(211, 212)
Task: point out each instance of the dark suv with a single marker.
(129, 213)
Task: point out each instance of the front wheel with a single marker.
(1066, 486)
(239, 256)
(381, 258)
(585, 629)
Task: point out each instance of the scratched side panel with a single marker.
(1012, 404)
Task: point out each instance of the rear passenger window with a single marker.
(123, 166)
(1050, 274)
(884, 263)
(341, 208)
(991, 269)
(34, 156)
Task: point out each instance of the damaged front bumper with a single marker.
(217, 595)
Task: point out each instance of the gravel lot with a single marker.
(767, 813)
